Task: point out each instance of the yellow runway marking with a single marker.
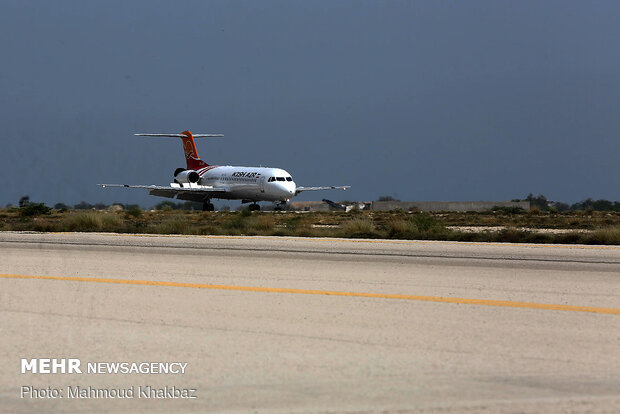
(485, 302)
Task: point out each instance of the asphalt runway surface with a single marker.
(281, 325)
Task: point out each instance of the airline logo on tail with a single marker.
(191, 153)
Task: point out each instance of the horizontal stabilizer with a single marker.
(180, 135)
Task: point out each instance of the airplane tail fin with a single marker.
(189, 147)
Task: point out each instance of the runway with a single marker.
(283, 325)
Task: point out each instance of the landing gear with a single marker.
(254, 207)
(207, 206)
(279, 206)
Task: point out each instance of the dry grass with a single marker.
(609, 235)
(590, 227)
(172, 225)
(90, 221)
(359, 227)
(398, 228)
(262, 223)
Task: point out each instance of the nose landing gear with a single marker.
(207, 206)
(280, 206)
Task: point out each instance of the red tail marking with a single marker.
(191, 153)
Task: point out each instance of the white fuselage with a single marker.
(249, 183)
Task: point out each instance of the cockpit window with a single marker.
(289, 179)
(280, 179)
(271, 179)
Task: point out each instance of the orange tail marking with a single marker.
(191, 153)
(189, 146)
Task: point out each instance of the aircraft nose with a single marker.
(286, 190)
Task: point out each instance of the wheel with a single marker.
(207, 206)
(279, 206)
(254, 207)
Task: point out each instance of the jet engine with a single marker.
(184, 176)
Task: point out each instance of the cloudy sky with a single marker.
(419, 100)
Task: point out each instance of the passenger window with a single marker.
(280, 179)
(289, 179)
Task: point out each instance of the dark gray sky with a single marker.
(421, 100)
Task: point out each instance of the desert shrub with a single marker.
(510, 235)
(83, 206)
(111, 222)
(167, 206)
(134, 211)
(537, 237)
(34, 209)
(301, 232)
(300, 223)
(263, 223)
(401, 228)
(604, 236)
(173, 225)
(238, 222)
(83, 222)
(425, 222)
(570, 238)
(45, 226)
(534, 210)
(209, 230)
(359, 228)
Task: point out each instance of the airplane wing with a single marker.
(331, 187)
(192, 192)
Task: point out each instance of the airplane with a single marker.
(202, 182)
